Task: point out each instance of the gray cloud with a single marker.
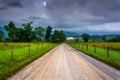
(71, 15)
(15, 4)
(11, 3)
(2, 8)
(92, 8)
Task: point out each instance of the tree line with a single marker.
(27, 33)
(95, 38)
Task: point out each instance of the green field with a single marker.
(22, 55)
(113, 45)
(101, 52)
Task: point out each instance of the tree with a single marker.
(48, 33)
(28, 33)
(1, 35)
(10, 26)
(115, 39)
(11, 30)
(39, 33)
(85, 37)
(104, 38)
(58, 36)
(62, 36)
(20, 35)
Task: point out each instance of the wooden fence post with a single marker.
(45, 45)
(29, 50)
(75, 45)
(79, 45)
(48, 45)
(94, 48)
(87, 47)
(37, 48)
(82, 45)
(108, 51)
(42, 46)
(5, 45)
(12, 52)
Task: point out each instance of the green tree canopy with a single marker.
(10, 26)
(28, 31)
(28, 34)
(115, 39)
(1, 35)
(104, 38)
(11, 30)
(85, 37)
(48, 33)
(39, 33)
(58, 36)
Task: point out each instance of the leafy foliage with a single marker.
(48, 33)
(115, 39)
(1, 35)
(11, 30)
(104, 38)
(58, 36)
(85, 37)
(28, 34)
(39, 33)
(10, 26)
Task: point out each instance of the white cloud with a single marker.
(44, 16)
(114, 26)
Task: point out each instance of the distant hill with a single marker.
(99, 37)
(92, 36)
(111, 36)
(71, 34)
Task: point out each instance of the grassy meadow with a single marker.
(100, 52)
(112, 45)
(13, 56)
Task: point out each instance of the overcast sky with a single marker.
(69, 15)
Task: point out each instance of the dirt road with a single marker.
(66, 63)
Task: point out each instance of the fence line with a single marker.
(29, 47)
(85, 46)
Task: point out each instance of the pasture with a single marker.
(13, 56)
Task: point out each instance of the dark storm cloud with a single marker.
(80, 12)
(105, 8)
(15, 4)
(2, 8)
(34, 18)
(64, 14)
(11, 3)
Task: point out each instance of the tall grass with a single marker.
(112, 45)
